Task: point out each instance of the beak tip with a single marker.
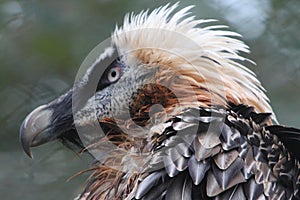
(25, 142)
(28, 153)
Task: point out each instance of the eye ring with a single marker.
(114, 74)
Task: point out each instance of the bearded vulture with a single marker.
(168, 110)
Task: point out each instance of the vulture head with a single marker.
(155, 66)
(163, 60)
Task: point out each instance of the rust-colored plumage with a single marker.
(169, 112)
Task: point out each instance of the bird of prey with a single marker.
(169, 110)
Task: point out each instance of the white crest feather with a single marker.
(213, 51)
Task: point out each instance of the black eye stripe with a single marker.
(104, 82)
(96, 79)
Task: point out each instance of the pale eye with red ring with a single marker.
(114, 74)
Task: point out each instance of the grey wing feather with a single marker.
(180, 188)
(245, 160)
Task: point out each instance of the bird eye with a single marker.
(114, 74)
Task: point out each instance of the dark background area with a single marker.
(42, 44)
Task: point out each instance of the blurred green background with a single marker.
(42, 44)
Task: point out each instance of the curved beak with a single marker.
(34, 130)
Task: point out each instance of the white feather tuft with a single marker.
(214, 52)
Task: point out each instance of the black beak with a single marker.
(49, 122)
